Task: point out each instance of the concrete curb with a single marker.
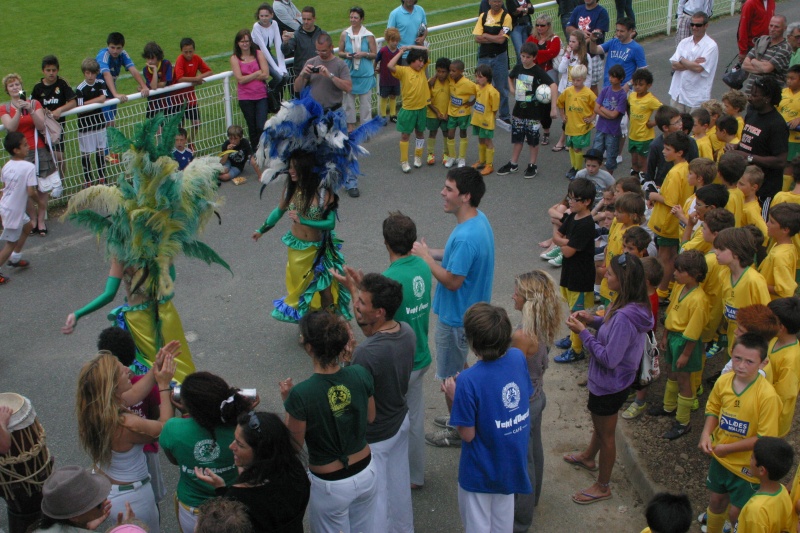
(628, 456)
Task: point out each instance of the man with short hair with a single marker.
(591, 18)
(769, 57)
(465, 277)
(327, 75)
(621, 50)
(301, 43)
(694, 64)
(492, 33)
(686, 10)
(793, 36)
(412, 23)
(753, 23)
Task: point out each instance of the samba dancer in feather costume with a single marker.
(151, 219)
(314, 149)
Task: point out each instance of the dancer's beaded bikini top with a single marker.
(315, 212)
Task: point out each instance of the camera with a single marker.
(176, 394)
(314, 69)
(22, 95)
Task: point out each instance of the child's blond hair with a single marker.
(714, 107)
(579, 72)
(754, 175)
(736, 99)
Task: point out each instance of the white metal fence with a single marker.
(215, 97)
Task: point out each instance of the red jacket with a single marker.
(753, 23)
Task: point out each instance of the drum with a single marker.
(26, 466)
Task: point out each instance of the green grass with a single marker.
(78, 29)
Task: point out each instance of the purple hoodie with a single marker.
(617, 350)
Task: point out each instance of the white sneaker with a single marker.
(462, 162)
(405, 166)
(417, 162)
(448, 162)
(619, 159)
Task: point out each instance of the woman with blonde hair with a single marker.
(114, 437)
(537, 297)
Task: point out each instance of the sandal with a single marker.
(572, 459)
(590, 498)
(34, 230)
(42, 232)
(558, 148)
(546, 139)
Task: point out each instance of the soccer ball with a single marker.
(542, 94)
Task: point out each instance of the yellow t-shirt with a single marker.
(687, 314)
(487, 102)
(791, 198)
(675, 190)
(740, 121)
(716, 144)
(461, 93)
(712, 286)
(614, 248)
(646, 530)
(491, 21)
(779, 269)
(704, 147)
(748, 290)
(697, 242)
(639, 111)
(577, 105)
(789, 109)
(753, 412)
(413, 87)
(736, 205)
(765, 512)
(719, 151)
(440, 97)
(785, 362)
(795, 495)
(751, 214)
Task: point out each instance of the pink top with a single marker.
(254, 89)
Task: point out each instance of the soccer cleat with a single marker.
(677, 430)
(462, 162)
(448, 162)
(417, 161)
(22, 263)
(564, 343)
(3, 279)
(530, 172)
(405, 166)
(554, 252)
(488, 169)
(717, 347)
(557, 261)
(478, 165)
(570, 356)
(658, 410)
(431, 159)
(634, 410)
(508, 168)
(571, 173)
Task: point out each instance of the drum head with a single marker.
(23, 414)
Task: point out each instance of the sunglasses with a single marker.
(253, 423)
(542, 25)
(695, 25)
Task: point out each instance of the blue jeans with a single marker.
(609, 143)
(451, 350)
(518, 36)
(499, 66)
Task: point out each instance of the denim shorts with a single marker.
(451, 350)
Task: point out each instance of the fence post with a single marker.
(228, 104)
(733, 6)
(669, 16)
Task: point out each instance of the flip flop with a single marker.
(572, 460)
(557, 148)
(592, 498)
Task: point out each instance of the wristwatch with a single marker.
(331, 74)
(749, 159)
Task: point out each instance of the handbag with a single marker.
(649, 369)
(735, 75)
(52, 182)
(53, 127)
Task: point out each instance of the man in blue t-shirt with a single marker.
(622, 50)
(408, 18)
(592, 19)
(465, 277)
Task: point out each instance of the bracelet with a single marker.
(164, 390)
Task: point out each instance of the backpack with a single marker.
(649, 369)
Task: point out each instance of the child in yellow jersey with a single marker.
(749, 184)
(437, 109)
(462, 98)
(726, 134)
(702, 122)
(770, 509)
(576, 106)
(715, 109)
(784, 358)
(629, 212)
(668, 513)
(789, 109)
(674, 191)
(730, 168)
(487, 102)
(792, 197)
(736, 249)
(641, 127)
(702, 172)
(780, 266)
(734, 103)
(681, 345)
(416, 97)
(741, 408)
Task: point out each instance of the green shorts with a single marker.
(794, 151)
(408, 121)
(482, 133)
(461, 123)
(639, 147)
(675, 345)
(605, 302)
(667, 242)
(720, 480)
(434, 124)
(579, 142)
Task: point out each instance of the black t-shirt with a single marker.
(767, 135)
(53, 96)
(577, 272)
(526, 80)
(91, 120)
(242, 155)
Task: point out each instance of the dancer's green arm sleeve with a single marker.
(272, 219)
(112, 286)
(327, 224)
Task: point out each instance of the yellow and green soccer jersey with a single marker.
(716, 144)
(687, 314)
(614, 248)
(789, 109)
(752, 413)
(795, 495)
(461, 93)
(748, 290)
(577, 105)
(704, 148)
(718, 152)
(639, 111)
(712, 286)
(440, 97)
(779, 270)
(736, 205)
(785, 363)
(766, 512)
(413, 87)
(789, 198)
(697, 242)
(487, 102)
(675, 190)
(751, 214)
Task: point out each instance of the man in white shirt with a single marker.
(694, 64)
(687, 8)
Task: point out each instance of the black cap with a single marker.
(593, 153)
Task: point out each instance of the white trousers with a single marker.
(416, 429)
(364, 109)
(344, 506)
(393, 512)
(187, 516)
(486, 512)
(142, 501)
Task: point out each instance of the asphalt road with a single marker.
(227, 321)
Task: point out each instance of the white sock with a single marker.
(597, 288)
(15, 257)
(420, 143)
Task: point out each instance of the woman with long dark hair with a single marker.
(251, 71)
(203, 440)
(272, 482)
(615, 354)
